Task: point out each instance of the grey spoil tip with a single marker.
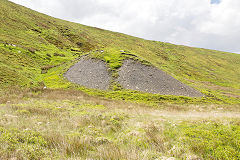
(91, 73)
(136, 76)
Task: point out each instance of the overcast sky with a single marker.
(213, 24)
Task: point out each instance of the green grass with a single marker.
(24, 144)
(209, 140)
(37, 49)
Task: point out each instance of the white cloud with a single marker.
(189, 22)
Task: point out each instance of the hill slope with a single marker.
(37, 49)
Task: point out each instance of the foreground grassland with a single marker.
(60, 124)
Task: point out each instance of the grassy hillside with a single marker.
(37, 49)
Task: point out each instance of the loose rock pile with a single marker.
(136, 76)
(93, 73)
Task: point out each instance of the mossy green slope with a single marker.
(36, 50)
